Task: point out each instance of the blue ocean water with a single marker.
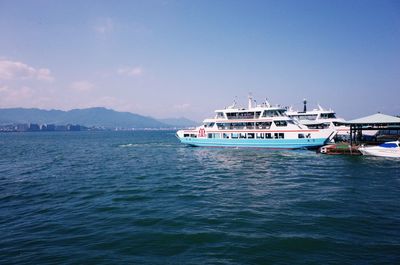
(143, 198)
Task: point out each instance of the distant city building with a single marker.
(60, 127)
(48, 127)
(34, 127)
(21, 127)
(71, 127)
(7, 128)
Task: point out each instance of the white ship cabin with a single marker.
(317, 118)
(259, 117)
(313, 115)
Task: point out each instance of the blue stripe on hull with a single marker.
(257, 143)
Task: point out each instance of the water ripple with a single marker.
(141, 197)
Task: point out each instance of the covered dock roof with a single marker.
(377, 121)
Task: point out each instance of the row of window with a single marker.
(328, 116)
(191, 135)
(242, 115)
(310, 117)
(248, 125)
(246, 135)
(251, 114)
(244, 125)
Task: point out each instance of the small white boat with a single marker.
(388, 149)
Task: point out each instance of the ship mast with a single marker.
(250, 105)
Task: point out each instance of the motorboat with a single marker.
(387, 149)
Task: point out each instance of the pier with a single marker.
(376, 122)
(339, 149)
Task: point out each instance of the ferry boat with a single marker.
(320, 118)
(260, 126)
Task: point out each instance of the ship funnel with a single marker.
(305, 105)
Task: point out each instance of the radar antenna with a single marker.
(267, 103)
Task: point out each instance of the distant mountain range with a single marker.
(100, 117)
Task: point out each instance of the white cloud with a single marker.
(13, 97)
(130, 71)
(11, 70)
(44, 74)
(104, 26)
(82, 86)
(3, 89)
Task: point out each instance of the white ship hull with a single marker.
(383, 150)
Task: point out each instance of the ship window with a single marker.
(225, 135)
(268, 136)
(214, 135)
(242, 136)
(259, 135)
(280, 123)
(273, 113)
(217, 135)
(263, 125)
(249, 125)
(220, 115)
(239, 125)
(232, 115)
(234, 135)
(186, 135)
(221, 126)
(193, 136)
(301, 135)
(328, 115)
(240, 115)
(308, 117)
(250, 136)
(246, 115)
(279, 135)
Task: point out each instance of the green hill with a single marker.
(101, 117)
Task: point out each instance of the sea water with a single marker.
(141, 197)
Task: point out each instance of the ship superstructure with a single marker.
(320, 118)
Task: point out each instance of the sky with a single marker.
(187, 58)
